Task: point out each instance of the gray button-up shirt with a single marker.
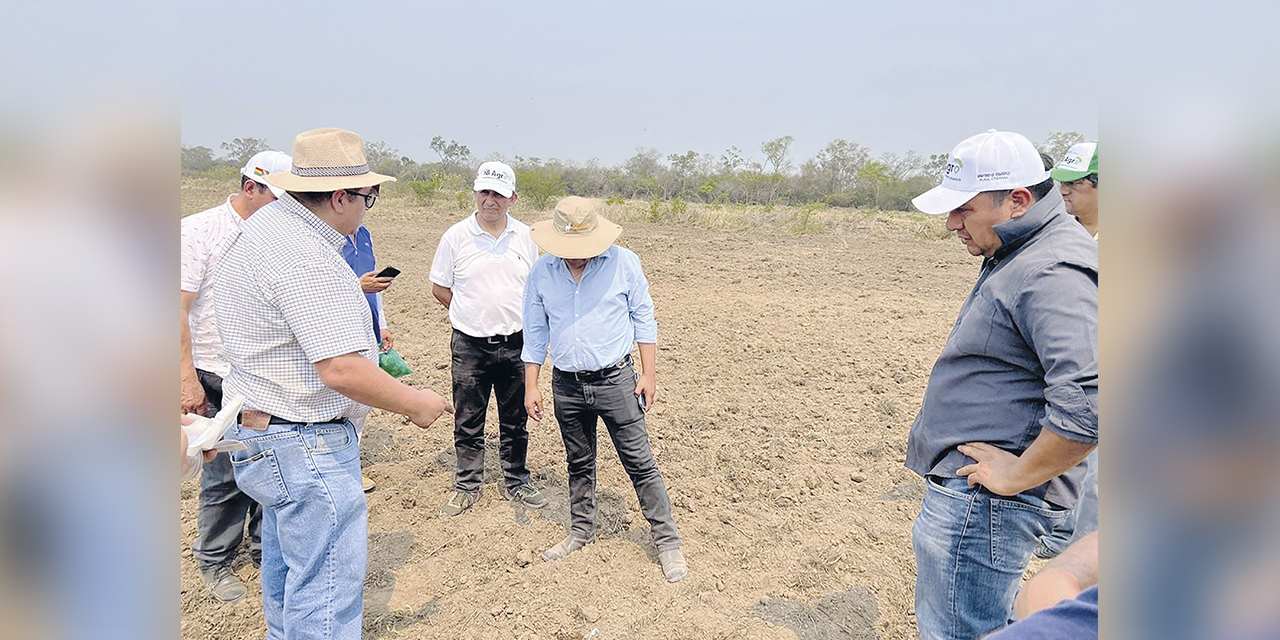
(285, 299)
(1023, 355)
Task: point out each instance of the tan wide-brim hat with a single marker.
(576, 230)
(327, 160)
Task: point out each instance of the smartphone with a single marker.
(644, 406)
(389, 272)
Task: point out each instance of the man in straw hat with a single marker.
(479, 274)
(1010, 411)
(298, 334)
(587, 303)
(224, 508)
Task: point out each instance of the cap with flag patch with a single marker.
(991, 161)
(1080, 161)
(265, 163)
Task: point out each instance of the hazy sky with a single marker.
(578, 81)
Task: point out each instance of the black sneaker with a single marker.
(526, 494)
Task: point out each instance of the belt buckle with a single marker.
(496, 339)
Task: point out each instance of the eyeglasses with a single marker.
(369, 198)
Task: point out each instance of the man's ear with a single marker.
(514, 196)
(1021, 200)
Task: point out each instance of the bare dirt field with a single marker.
(790, 368)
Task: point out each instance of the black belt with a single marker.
(596, 376)
(496, 339)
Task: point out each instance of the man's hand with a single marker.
(369, 283)
(433, 405)
(1006, 474)
(646, 387)
(387, 340)
(533, 402)
(193, 400)
(186, 419)
(994, 468)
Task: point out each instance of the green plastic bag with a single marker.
(392, 363)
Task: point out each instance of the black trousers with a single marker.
(223, 506)
(481, 365)
(578, 405)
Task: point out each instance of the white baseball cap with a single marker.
(265, 163)
(496, 176)
(991, 161)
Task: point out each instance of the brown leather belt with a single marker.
(258, 420)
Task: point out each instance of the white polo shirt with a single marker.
(486, 274)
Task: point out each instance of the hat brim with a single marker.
(275, 191)
(576, 246)
(1066, 175)
(292, 182)
(493, 185)
(940, 200)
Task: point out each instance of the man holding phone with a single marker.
(478, 274)
(358, 252)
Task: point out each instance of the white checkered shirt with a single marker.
(285, 299)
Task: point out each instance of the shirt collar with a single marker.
(475, 229)
(592, 264)
(331, 235)
(1015, 232)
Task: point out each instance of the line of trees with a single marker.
(842, 174)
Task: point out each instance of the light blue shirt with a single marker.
(587, 325)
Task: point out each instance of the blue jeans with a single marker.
(1083, 519)
(972, 547)
(314, 526)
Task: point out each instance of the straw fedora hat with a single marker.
(575, 230)
(327, 160)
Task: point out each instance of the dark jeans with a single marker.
(223, 507)
(612, 398)
(481, 365)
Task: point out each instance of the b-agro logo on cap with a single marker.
(494, 173)
(1074, 161)
(953, 168)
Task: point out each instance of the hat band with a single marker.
(329, 172)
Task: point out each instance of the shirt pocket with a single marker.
(972, 332)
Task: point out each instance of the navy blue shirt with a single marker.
(360, 256)
(1075, 619)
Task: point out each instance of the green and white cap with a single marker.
(1080, 161)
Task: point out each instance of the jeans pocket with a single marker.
(1016, 527)
(259, 477)
(932, 483)
(331, 439)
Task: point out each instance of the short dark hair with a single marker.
(313, 197)
(246, 179)
(1038, 191)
